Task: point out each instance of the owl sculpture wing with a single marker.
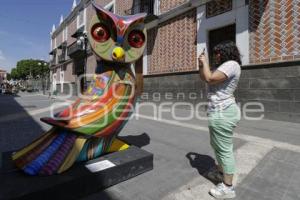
(89, 127)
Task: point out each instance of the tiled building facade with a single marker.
(274, 31)
(172, 45)
(3, 74)
(267, 33)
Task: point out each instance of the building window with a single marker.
(217, 7)
(147, 7)
(217, 36)
(151, 7)
(81, 19)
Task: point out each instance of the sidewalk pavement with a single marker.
(267, 153)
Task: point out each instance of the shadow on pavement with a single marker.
(102, 195)
(203, 163)
(17, 127)
(136, 140)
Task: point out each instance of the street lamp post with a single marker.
(43, 64)
(30, 74)
(85, 60)
(82, 40)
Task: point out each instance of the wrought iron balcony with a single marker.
(52, 62)
(144, 6)
(62, 58)
(63, 45)
(75, 49)
(53, 51)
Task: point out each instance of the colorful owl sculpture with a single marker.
(88, 129)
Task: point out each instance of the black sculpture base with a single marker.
(81, 180)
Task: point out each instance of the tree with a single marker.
(29, 67)
(8, 76)
(14, 73)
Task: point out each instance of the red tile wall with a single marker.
(68, 76)
(172, 46)
(59, 38)
(123, 5)
(166, 5)
(105, 2)
(72, 27)
(274, 30)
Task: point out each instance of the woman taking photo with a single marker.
(223, 112)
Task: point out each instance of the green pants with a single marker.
(221, 125)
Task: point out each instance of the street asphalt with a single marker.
(267, 152)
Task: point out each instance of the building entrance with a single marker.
(79, 72)
(219, 35)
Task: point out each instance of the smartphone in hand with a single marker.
(200, 62)
(203, 52)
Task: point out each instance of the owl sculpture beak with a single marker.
(118, 54)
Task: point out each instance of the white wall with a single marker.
(62, 79)
(238, 15)
(54, 81)
(145, 62)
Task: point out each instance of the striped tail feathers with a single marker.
(73, 154)
(54, 152)
(38, 149)
(66, 149)
(52, 165)
(33, 144)
(34, 167)
(58, 151)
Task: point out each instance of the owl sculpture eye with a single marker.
(100, 32)
(110, 33)
(136, 38)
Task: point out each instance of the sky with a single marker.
(25, 27)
